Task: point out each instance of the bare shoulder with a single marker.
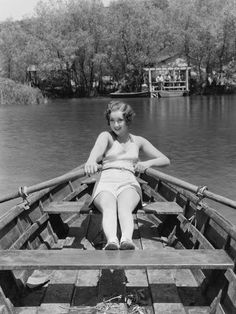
(144, 144)
(139, 140)
(105, 137)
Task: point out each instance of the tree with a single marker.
(12, 46)
(85, 41)
(136, 28)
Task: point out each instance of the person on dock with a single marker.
(117, 192)
(160, 81)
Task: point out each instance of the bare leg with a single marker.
(127, 201)
(106, 203)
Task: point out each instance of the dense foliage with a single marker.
(86, 42)
(12, 93)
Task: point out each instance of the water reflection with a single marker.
(198, 133)
(169, 106)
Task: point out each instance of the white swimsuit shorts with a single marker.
(115, 181)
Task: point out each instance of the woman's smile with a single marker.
(118, 123)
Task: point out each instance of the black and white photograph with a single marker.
(117, 156)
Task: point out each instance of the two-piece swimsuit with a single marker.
(118, 172)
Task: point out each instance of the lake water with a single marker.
(197, 133)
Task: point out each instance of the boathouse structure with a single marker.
(168, 78)
(171, 81)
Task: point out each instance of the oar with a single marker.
(152, 172)
(43, 185)
(190, 187)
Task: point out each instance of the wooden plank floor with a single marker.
(161, 282)
(138, 293)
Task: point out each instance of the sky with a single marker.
(18, 9)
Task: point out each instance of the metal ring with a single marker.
(200, 190)
(23, 192)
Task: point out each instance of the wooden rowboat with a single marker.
(129, 95)
(51, 258)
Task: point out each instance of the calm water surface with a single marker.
(197, 133)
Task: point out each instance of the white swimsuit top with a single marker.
(120, 157)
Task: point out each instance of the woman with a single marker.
(117, 192)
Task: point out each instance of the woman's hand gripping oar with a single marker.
(25, 191)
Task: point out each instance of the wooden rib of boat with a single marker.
(129, 95)
(51, 258)
(171, 93)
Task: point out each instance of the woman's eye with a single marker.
(116, 121)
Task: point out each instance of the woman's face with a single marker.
(117, 123)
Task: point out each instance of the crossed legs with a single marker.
(122, 206)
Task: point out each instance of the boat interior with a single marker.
(52, 258)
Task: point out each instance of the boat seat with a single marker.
(102, 259)
(159, 208)
(163, 208)
(65, 207)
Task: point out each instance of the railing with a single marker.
(169, 85)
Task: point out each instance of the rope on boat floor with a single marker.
(105, 306)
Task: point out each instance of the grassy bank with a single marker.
(12, 93)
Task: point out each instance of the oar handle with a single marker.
(190, 187)
(46, 184)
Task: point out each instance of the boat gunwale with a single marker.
(31, 199)
(210, 212)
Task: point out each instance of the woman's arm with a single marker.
(99, 148)
(156, 158)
